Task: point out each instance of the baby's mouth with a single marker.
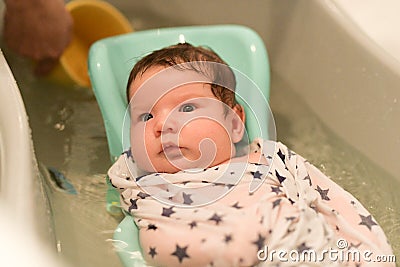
(171, 151)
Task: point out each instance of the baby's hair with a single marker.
(194, 58)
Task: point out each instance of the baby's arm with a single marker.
(338, 208)
(352, 211)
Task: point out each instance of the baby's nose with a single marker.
(166, 124)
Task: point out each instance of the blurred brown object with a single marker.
(37, 29)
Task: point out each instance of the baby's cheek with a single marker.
(140, 157)
(201, 129)
(140, 150)
(210, 140)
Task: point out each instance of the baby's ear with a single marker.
(238, 127)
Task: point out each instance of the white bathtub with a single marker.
(25, 228)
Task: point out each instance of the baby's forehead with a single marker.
(157, 81)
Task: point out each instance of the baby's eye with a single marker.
(145, 117)
(187, 108)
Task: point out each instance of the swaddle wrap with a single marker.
(245, 214)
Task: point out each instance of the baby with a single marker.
(201, 198)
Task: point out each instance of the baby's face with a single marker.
(180, 126)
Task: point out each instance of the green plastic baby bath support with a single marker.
(111, 60)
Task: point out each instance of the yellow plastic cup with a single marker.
(93, 20)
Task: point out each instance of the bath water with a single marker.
(69, 135)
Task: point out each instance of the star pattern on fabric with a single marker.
(193, 224)
(367, 221)
(228, 238)
(216, 218)
(280, 177)
(152, 252)
(276, 202)
(151, 226)
(186, 198)
(309, 179)
(229, 186)
(180, 253)
(302, 247)
(289, 230)
(290, 218)
(167, 212)
(236, 205)
(133, 205)
(139, 177)
(281, 155)
(276, 189)
(323, 193)
(259, 242)
(142, 195)
(256, 174)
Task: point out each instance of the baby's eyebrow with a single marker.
(139, 106)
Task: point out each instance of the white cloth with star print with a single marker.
(226, 214)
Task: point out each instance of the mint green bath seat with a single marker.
(111, 60)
